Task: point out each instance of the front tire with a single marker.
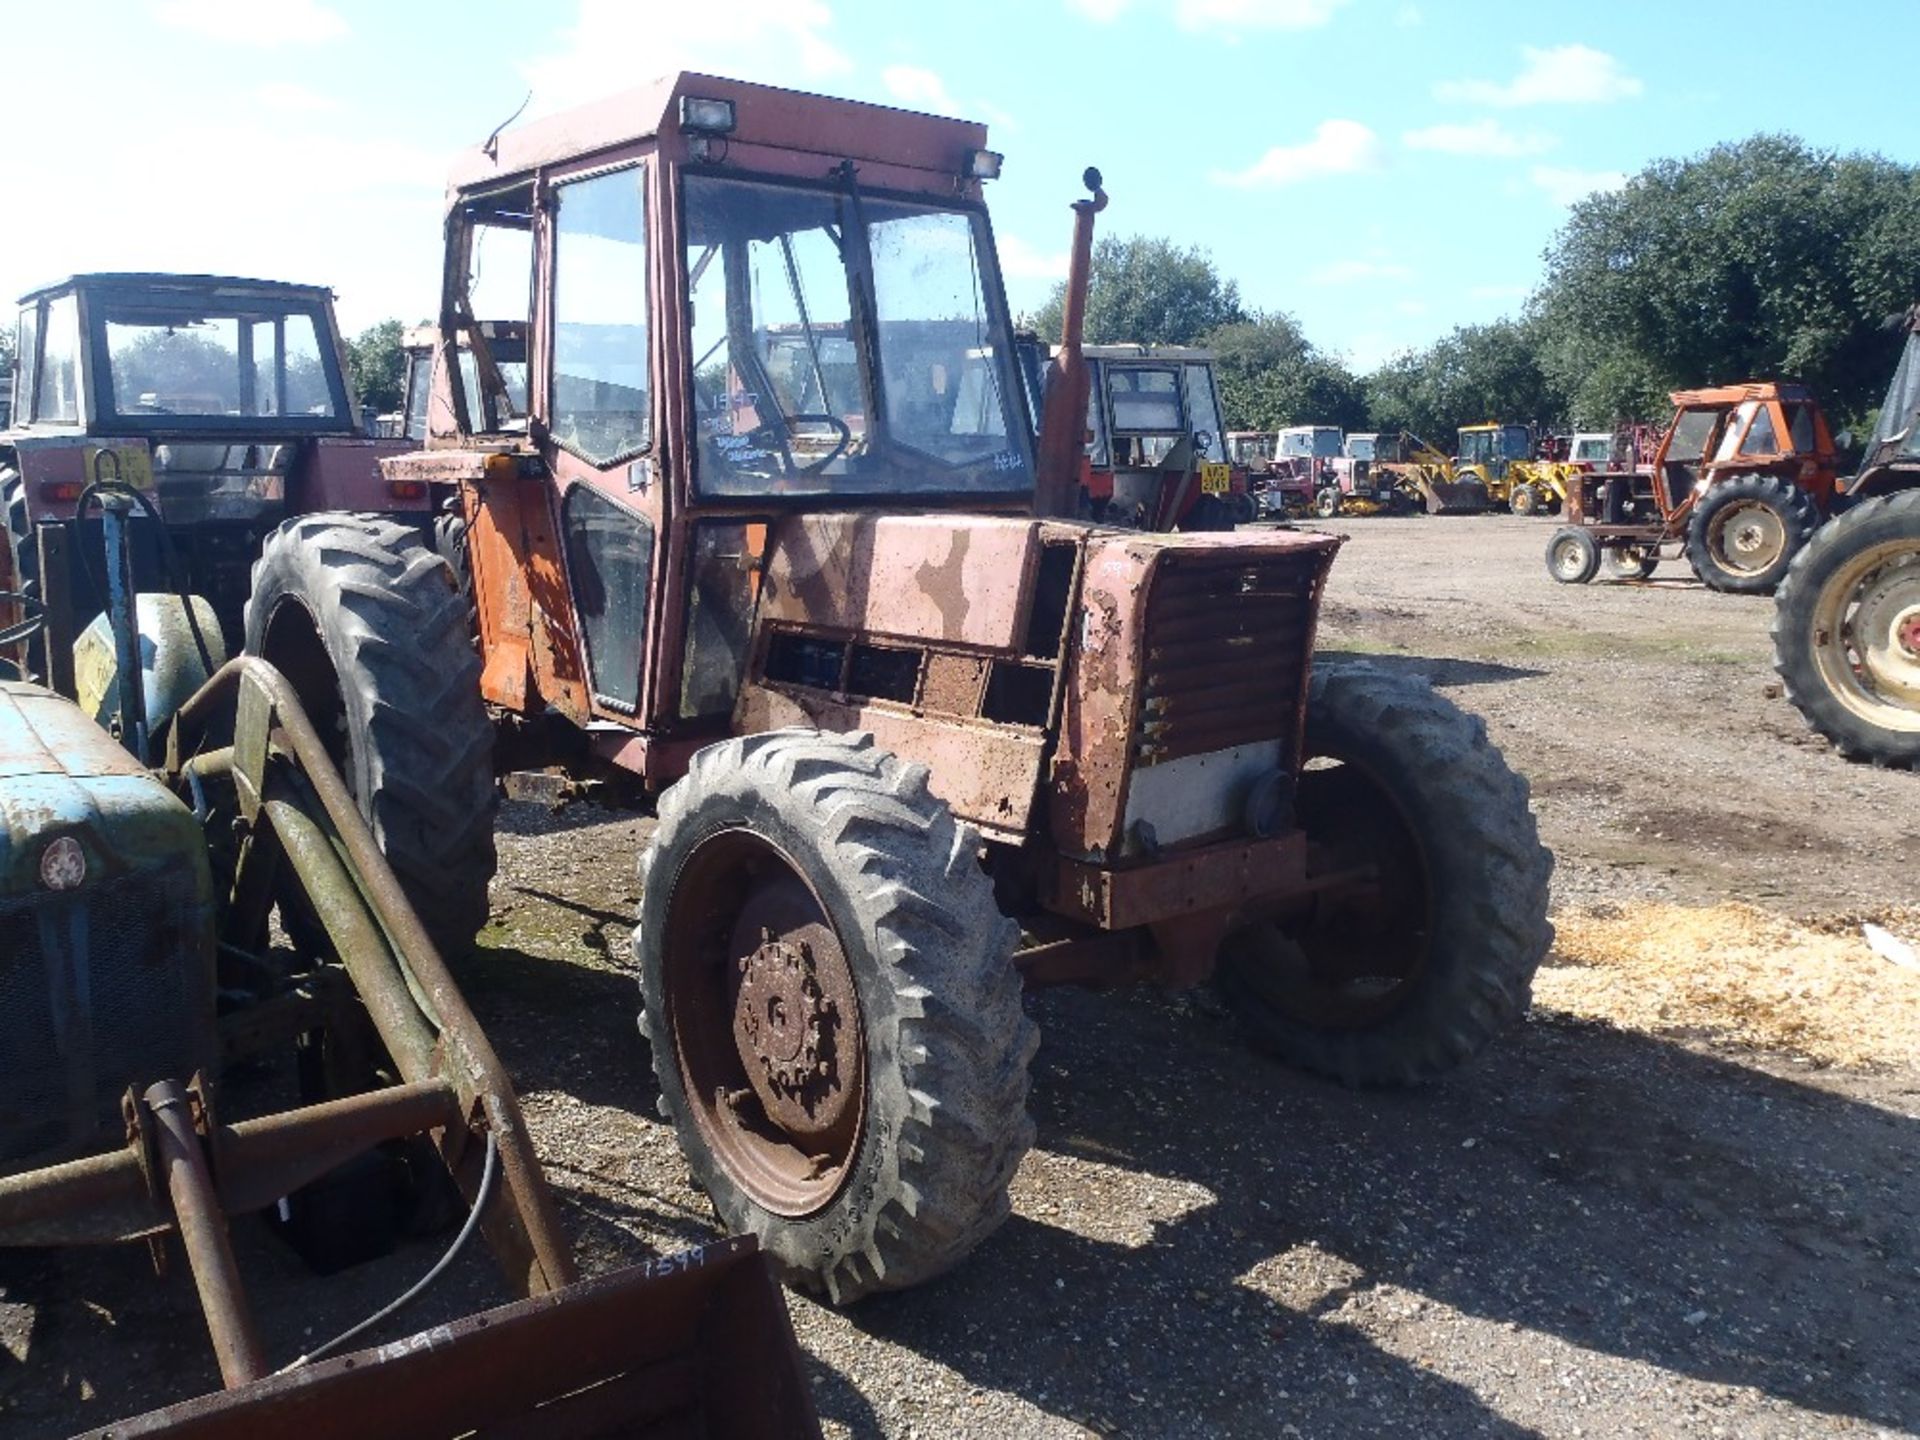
(1632, 562)
(835, 1019)
(1572, 556)
(1846, 631)
(1327, 503)
(1399, 979)
(1523, 499)
(1745, 531)
(365, 622)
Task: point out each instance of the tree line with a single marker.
(1765, 258)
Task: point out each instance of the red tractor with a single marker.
(776, 539)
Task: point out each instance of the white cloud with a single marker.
(1234, 15)
(1338, 147)
(1477, 137)
(1104, 12)
(1563, 186)
(782, 42)
(1353, 272)
(1562, 75)
(919, 89)
(265, 23)
(1022, 261)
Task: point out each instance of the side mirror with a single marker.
(1844, 440)
(1203, 439)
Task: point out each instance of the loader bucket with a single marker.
(695, 1344)
(1455, 497)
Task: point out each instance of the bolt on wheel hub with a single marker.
(783, 1025)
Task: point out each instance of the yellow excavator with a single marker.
(1429, 476)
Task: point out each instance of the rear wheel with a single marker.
(1631, 562)
(365, 622)
(1846, 631)
(1523, 499)
(1572, 557)
(1326, 504)
(1430, 953)
(1745, 531)
(835, 1019)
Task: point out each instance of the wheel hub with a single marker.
(1867, 635)
(1752, 537)
(784, 1023)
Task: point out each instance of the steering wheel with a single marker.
(781, 432)
(22, 630)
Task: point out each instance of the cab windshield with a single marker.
(215, 360)
(846, 346)
(1360, 447)
(1516, 442)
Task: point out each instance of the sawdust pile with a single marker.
(1737, 974)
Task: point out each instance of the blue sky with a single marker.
(1384, 169)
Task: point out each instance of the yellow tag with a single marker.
(1215, 479)
(136, 465)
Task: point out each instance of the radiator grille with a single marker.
(109, 986)
(1226, 652)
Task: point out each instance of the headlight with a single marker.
(983, 164)
(709, 117)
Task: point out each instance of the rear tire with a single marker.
(897, 1160)
(1846, 631)
(1327, 503)
(1745, 531)
(1399, 982)
(365, 622)
(1572, 556)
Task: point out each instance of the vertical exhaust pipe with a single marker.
(1063, 422)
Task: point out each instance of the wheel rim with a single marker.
(1748, 536)
(765, 1022)
(1366, 945)
(1569, 559)
(1522, 501)
(1866, 634)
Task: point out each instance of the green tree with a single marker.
(1479, 372)
(377, 365)
(1765, 258)
(1148, 290)
(1270, 377)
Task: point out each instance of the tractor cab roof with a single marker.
(154, 283)
(1729, 395)
(740, 116)
(1148, 352)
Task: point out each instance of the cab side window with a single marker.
(602, 407)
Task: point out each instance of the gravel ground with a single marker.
(1625, 1219)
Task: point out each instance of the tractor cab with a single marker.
(506, 344)
(1157, 452)
(1742, 429)
(1892, 458)
(1493, 448)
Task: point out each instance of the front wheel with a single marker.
(1523, 499)
(1326, 504)
(1408, 970)
(1846, 631)
(367, 624)
(835, 1019)
(1572, 557)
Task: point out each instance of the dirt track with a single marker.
(1648, 1212)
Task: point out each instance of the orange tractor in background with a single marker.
(1742, 477)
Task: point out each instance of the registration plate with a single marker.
(1215, 479)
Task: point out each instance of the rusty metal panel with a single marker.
(1185, 645)
(1218, 877)
(988, 774)
(956, 580)
(695, 1343)
(342, 473)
